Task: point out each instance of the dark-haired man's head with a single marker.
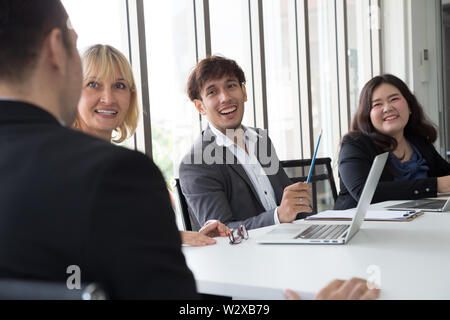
(217, 88)
(39, 62)
(24, 26)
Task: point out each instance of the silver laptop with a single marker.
(423, 205)
(329, 233)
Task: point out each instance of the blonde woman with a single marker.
(108, 106)
(108, 109)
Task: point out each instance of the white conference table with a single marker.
(410, 260)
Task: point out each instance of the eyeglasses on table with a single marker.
(237, 235)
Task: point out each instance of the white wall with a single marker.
(394, 39)
(408, 28)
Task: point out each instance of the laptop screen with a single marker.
(367, 193)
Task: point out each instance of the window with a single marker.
(283, 104)
(358, 37)
(170, 37)
(325, 108)
(109, 27)
(230, 37)
(324, 83)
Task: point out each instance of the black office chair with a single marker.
(182, 205)
(20, 289)
(297, 170)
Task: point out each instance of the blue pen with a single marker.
(314, 158)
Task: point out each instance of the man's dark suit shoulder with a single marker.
(72, 199)
(131, 208)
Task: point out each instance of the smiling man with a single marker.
(232, 172)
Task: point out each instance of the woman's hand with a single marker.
(196, 239)
(211, 229)
(214, 228)
(353, 289)
(443, 184)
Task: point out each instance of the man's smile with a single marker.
(228, 110)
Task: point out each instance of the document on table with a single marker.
(372, 215)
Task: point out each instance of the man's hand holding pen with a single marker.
(296, 199)
(297, 196)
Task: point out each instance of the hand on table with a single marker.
(443, 184)
(196, 239)
(214, 228)
(211, 229)
(353, 289)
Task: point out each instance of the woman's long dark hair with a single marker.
(418, 124)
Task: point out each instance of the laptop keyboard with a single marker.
(323, 231)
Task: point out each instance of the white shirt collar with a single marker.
(223, 141)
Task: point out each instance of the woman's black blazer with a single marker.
(355, 159)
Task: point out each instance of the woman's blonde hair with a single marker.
(100, 61)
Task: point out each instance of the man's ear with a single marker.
(244, 90)
(199, 106)
(55, 51)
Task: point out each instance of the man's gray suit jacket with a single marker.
(216, 186)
